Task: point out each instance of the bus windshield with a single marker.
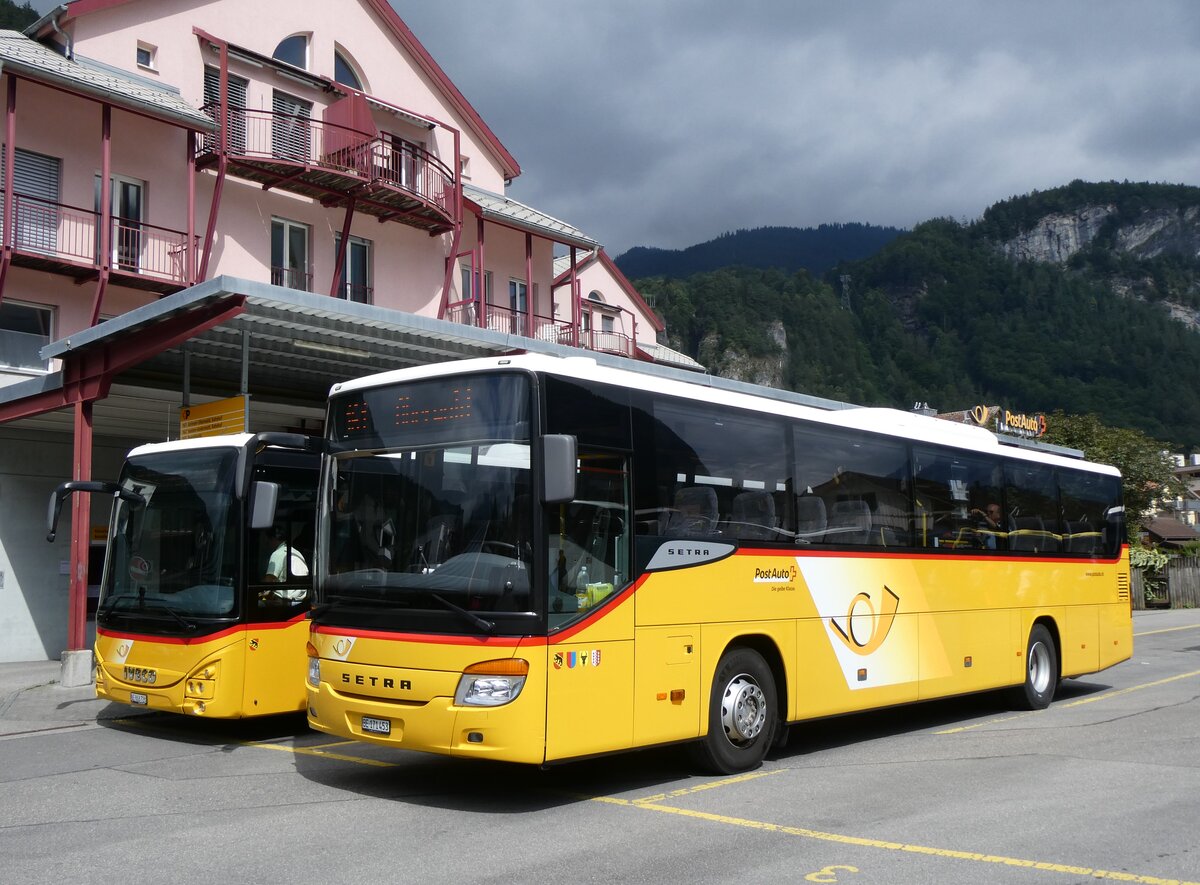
(173, 562)
(431, 522)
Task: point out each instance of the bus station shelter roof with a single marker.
(228, 336)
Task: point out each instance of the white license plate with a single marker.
(376, 726)
(136, 697)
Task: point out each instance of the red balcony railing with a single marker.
(317, 157)
(512, 322)
(57, 233)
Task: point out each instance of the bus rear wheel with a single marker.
(1041, 671)
(742, 714)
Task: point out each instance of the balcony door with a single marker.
(128, 204)
(291, 127)
(289, 255)
(355, 283)
(237, 87)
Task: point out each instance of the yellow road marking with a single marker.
(315, 751)
(332, 744)
(651, 803)
(1112, 694)
(712, 785)
(901, 846)
(1168, 630)
(962, 728)
(1103, 696)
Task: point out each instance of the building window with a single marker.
(289, 255)
(24, 330)
(355, 282)
(128, 207)
(293, 51)
(344, 73)
(36, 184)
(471, 293)
(464, 167)
(147, 56)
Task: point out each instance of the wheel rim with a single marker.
(1039, 667)
(743, 710)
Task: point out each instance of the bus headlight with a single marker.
(491, 683)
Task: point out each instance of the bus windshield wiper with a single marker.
(481, 624)
(188, 625)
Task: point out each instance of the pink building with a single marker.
(203, 199)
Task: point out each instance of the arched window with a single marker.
(595, 295)
(293, 50)
(344, 73)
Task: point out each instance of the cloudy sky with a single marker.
(668, 122)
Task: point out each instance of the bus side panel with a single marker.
(1115, 640)
(1079, 632)
(667, 696)
(275, 667)
(973, 651)
(216, 669)
(590, 686)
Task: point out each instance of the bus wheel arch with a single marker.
(1043, 663)
(745, 712)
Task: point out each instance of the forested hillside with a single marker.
(815, 249)
(959, 314)
(16, 17)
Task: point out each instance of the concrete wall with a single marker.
(33, 574)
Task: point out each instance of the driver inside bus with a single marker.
(285, 561)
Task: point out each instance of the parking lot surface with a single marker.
(1102, 786)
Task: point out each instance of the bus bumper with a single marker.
(510, 733)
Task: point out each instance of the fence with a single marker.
(1177, 587)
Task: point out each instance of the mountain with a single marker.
(815, 249)
(1084, 298)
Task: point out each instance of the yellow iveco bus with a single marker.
(207, 575)
(538, 559)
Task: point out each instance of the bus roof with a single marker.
(228, 440)
(712, 389)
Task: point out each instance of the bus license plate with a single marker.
(137, 698)
(376, 726)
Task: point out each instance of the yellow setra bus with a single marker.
(538, 559)
(207, 575)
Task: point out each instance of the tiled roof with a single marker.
(501, 208)
(21, 55)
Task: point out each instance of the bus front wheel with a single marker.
(742, 714)
(1041, 671)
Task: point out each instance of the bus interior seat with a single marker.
(432, 545)
(849, 523)
(752, 516)
(810, 517)
(1080, 537)
(1027, 534)
(694, 512)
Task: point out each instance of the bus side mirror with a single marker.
(559, 468)
(263, 498)
(78, 485)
